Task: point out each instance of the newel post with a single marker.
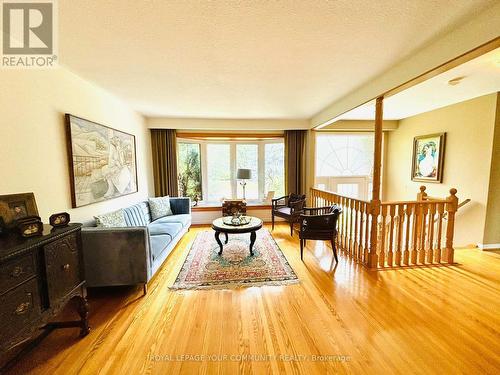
(422, 196)
(377, 166)
(451, 208)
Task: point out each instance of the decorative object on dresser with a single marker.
(17, 206)
(30, 228)
(289, 208)
(59, 220)
(102, 162)
(38, 277)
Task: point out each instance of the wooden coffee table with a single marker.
(219, 227)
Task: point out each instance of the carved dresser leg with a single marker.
(83, 311)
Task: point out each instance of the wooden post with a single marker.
(377, 165)
(451, 208)
(422, 196)
(419, 217)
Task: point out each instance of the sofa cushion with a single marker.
(137, 215)
(113, 219)
(160, 207)
(184, 219)
(171, 229)
(158, 244)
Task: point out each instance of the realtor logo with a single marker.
(28, 34)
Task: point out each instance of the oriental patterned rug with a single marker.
(205, 269)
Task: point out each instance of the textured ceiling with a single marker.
(479, 76)
(245, 59)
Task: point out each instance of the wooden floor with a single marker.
(442, 320)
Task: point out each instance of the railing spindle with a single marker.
(430, 247)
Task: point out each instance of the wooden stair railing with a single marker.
(407, 233)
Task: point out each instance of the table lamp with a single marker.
(244, 174)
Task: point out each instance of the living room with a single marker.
(198, 187)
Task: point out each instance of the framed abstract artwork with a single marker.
(102, 162)
(428, 158)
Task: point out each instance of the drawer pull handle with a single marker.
(22, 308)
(17, 271)
(65, 267)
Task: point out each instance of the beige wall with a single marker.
(491, 238)
(247, 125)
(469, 126)
(33, 142)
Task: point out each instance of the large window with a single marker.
(247, 156)
(208, 168)
(218, 160)
(344, 163)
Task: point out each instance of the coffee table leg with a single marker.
(217, 234)
(253, 236)
(227, 238)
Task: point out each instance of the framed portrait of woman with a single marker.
(428, 158)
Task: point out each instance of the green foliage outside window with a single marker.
(189, 170)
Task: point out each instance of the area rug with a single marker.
(205, 269)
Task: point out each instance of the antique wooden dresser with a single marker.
(38, 277)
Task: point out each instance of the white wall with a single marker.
(206, 217)
(33, 143)
(469, 140)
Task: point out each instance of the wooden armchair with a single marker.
(289, 208)
(319, 224)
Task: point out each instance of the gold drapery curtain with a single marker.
(164, 147)
(295, 161)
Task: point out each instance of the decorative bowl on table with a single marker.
(236, 220)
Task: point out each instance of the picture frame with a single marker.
(17, 206)
(102, 161)
(60, 219)
(31, 229)
(428, 158)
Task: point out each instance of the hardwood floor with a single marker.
(442, 320)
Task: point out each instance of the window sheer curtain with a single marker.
(164, 147)
(295, 161)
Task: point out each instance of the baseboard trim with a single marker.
(489, 246)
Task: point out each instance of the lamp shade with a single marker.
(244, 174)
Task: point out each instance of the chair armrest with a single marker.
(317, 210)
(180, 205)
(116, 256)
(322, 210)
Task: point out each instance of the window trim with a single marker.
(232, 143)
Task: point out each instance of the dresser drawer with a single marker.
(16, 271)
(63, 266)
(18, 308)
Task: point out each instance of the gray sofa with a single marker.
(132, 255)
